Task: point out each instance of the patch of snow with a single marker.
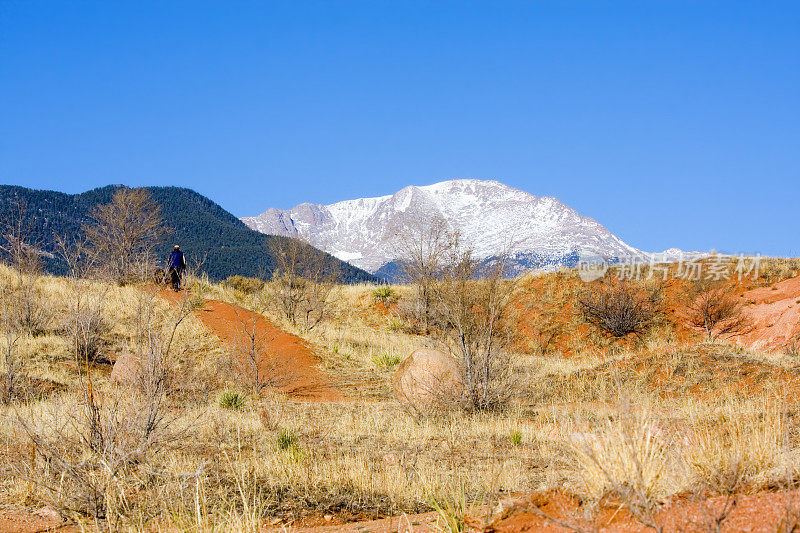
(492, 218)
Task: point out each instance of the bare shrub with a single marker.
(620, 308)
(77, 254)
(464, 303)
(15, 240)
(719, 313)
(30, 309)
(86, 452)
(251, 350)
(91, 450)
(84, 322)
(245, 284)
(425, 247)
(303, 282)
(12, 361)
(124, 234)
(470, 306)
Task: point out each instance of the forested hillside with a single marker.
(203, 229)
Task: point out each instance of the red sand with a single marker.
(763, 512)
(295, 366)
(775, 316)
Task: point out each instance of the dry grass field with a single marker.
(187, 445)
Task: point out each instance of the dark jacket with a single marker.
(176, 260)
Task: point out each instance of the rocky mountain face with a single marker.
(492, 218)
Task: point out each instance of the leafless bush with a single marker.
(124, 234)
(156, 326)
(470, 308)
(30, 309)
(713, 516)
(77, 254)
(15, 240)
(620, 308)
(464, 303)
(255, 363)
(86, 453)
(719, 313)
(425, 247)
(84, 321)
(89, 452)
(304, 282)
(245, 284)
(406, 316)
(12, 361)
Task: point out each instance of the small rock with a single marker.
(125, 370)
(390, 459)
(328, 517)
(425, 378)
(48, 513)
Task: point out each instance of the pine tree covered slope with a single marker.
(202, 228)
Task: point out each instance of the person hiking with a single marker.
(177, 264)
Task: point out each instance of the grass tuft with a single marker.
(231, 399)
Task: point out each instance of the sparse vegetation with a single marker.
(244, 284)
(718, 313)
(620, 308)
(231, 399)
(304, 282)
(184, 443)
(286, 439)
(124, 235)
(386, 360)
(385, 294)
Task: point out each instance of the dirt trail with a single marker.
(292, 362)
(775, 314)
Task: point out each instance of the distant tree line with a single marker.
(206, 232)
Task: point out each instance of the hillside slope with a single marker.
(200, 226)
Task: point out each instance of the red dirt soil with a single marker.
(24, 522)
(763, 512)
(426, 523)
(775, 316)
(295, 365)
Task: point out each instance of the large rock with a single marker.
(126, 369)
(427, 378)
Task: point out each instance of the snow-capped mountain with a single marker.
(491, 218)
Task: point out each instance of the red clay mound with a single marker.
(283, 359)
(775, 316)
(555, 511)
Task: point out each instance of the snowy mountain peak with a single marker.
(490, 216)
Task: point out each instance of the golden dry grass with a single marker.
(662, 416)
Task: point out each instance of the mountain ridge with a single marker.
(491, 216)
(202, 227)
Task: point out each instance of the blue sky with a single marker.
(673, 123)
